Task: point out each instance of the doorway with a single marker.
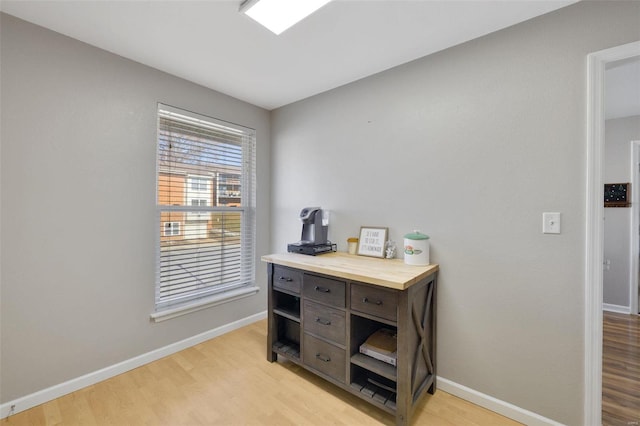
(596, 65)
(634, 274)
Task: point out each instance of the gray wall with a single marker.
(617, 232)
(78, 207)
(471, 145)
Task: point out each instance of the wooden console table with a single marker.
(322, 308)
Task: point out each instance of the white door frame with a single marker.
(596, 63)
(635, 227)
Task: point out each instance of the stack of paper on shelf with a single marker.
(381, 345)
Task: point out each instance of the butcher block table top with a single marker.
(391, 273)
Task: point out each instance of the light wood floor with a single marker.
(228, 381)
(621, 370)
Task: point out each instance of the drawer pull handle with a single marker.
(376, 302)
(287, 279)
(323, 321)
(323, 358)
(322, 289)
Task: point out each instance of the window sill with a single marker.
(198, 305)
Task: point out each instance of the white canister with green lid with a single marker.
(416, 249)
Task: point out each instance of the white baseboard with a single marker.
(45, 395)
(616, 308)
(490, 403)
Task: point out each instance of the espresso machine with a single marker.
(315, 224)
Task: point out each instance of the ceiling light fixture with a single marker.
(278, 15)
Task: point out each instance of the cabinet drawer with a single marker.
(325, 322)
(375, 301)
(324, 357)
(324, 290)
(287, 278)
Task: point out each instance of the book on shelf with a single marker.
(381, 345)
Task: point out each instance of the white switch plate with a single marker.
(551, 223)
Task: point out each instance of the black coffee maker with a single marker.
(315, 225)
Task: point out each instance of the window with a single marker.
(228, 192)
(214, 254)
(171, 229)
(199, 184)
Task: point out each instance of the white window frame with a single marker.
(245, 285)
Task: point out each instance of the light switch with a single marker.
(551, 222)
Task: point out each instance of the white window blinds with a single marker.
(206, 205)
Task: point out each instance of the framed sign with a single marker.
(617, 194)
(371, 241)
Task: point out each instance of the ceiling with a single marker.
(210, 43)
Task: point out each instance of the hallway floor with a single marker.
(621, 370)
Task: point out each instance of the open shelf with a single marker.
(287, 348)
(379, 390)
(382, 368)
(287, 305)
(287, 339)
(287, 313)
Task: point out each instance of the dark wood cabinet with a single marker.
(321, 309)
